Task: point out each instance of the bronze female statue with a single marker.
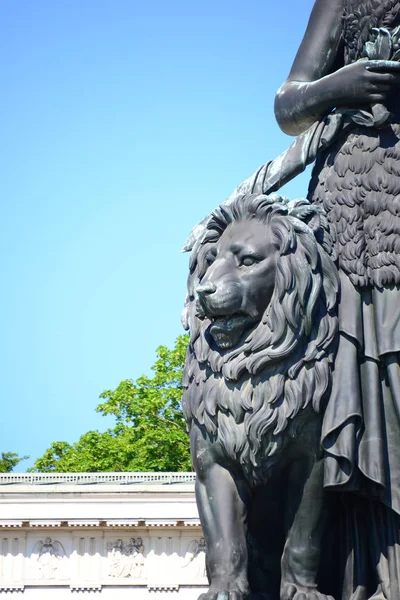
(357, 181)
(342, 101)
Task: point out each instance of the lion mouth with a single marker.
(230, 321)
(227, 330)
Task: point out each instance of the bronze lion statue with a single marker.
(261, 310)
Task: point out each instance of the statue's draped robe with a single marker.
(357, 181)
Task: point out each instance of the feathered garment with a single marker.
(357, 181)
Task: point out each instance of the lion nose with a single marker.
(205, 289)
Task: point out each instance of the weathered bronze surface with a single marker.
(292, 381)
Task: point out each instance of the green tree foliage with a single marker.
(9, 460)
(149, 433)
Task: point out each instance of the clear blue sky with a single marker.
(123, 124)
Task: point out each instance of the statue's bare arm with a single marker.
(318, 81)
(321, 42)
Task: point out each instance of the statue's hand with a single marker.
(363, 83)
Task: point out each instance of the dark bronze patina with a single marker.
(292, 382)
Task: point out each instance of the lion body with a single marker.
(253, 398)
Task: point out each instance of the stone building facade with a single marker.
(115, 535)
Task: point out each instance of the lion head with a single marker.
(261, 309)
(237, 286)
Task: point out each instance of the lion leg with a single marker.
(222, 508)
(308, 510)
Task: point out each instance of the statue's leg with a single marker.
(221, 500)
(307, 512)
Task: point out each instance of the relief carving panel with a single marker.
(126, 559)
(156, 558)
(47, 560)
(194, 560)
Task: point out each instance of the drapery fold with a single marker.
(361, 438)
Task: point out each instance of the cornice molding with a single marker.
(92, 478)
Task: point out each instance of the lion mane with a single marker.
(252, 398)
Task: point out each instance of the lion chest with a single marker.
(242, 420)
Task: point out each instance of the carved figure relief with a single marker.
(49, 554)
(196, 556)
(135, 550)
(126, 560)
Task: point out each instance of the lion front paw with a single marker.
(292, 591)
(223, 595)
(234, 590)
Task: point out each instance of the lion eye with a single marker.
(247, 261)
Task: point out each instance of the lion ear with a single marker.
(307, 213)
(314, 221)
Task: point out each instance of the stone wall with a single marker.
(61, 536)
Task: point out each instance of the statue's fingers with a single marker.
(290, 592)
(380, 87)
(378, 78)
(390, 66)
(376, 98)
